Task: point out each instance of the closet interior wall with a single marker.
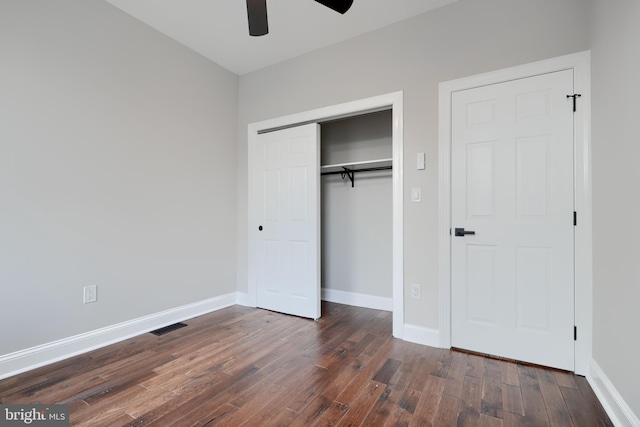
(357, 221)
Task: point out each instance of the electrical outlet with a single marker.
(415, 291)
(90, 294)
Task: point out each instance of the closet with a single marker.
(356, 210)
(314, 235)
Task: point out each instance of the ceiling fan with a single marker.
(257, 13)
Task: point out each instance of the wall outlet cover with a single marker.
(90, 294)
(415, 291)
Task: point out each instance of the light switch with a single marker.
(416, 195)
(421, 161)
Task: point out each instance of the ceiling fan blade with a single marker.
(340, 6)
(257, 14)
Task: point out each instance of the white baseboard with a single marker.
(243, 299)
(358, 300)
(421, 335)
(35, 357)
(619, 412)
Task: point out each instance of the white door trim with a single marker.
(393, 101)
(580, 64)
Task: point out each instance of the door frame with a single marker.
(580, 64)
(391, 101)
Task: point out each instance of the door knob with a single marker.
(460, 232)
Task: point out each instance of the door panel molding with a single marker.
(392, 101)
(580, 64)
(287, 256)
(513, 184)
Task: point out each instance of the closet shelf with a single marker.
(348, 170)
(355, 166)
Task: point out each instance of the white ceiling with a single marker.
(218, 29)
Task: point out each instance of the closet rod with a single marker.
(351, 172)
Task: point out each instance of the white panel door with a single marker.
(512, 184)
(287, 226)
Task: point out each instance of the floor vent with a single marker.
(168, 329)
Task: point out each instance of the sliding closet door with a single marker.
(286, 229)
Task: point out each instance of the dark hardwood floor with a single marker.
(243, 366)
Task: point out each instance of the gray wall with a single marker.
(357, 222)
(465, 38)
(616, 201)
(115, 144)
(115, 148)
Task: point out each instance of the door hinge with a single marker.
(575, 218)
(575, 96)
(575, 333)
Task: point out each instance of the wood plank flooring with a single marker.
(248, 367)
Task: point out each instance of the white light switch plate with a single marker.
(421, 161)
(416, 195)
